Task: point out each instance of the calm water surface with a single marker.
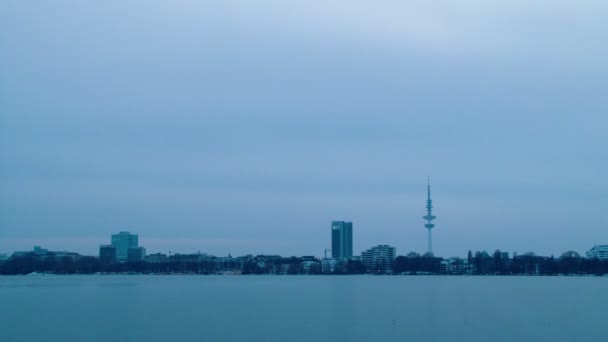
(302, 308)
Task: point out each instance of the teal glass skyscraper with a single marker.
(122, 242)
(341, 239)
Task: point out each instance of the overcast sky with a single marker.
(248, 126)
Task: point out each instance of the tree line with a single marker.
(569, 263)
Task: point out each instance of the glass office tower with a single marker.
(123, 241)
(341, 239)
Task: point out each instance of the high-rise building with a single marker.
(123, 241)
(598, 252)
(136, 254)
(341, 239)
(107, 254)
(429, 217)
(380, 257)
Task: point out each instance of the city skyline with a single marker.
(380, 260)
(247, 127)
(124, 248)
(342, 237)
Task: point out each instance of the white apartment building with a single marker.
(598, 252)
(379, 256)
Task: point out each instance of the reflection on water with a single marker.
(301, 308)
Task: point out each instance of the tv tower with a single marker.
(429, 215)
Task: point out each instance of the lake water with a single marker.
(302, 308)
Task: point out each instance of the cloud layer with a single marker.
(261, 122)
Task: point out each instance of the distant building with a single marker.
(380, 257)
(328, 265)
(63, 254)
(107, 254)
(455, 266)
(40, 251)
(156, 258)
(281, 268)
(136, 254)
(228, 263)
(186, 258)
(308, 266)
(37, 252)
(598, 252)
(240, 262)
(123, 241)
(341, 239)
(308, 258)
(43, 254)
(268, 258)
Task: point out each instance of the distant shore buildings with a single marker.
(43, 253)
(381, 259)
(124, 255)
(124, 247)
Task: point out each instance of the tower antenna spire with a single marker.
(429, 216)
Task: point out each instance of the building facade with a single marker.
(332, 265)
(341, 239)
(598, 252)
(136, 254)
(123, 241)
(156, 258)
(455, 266)
(107, 254)
(309, 267)
(379, 258)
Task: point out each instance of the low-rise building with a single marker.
(269, 258)
(309, 267)
(228, 263)
(107, 254)
(332, 265)
(598, 252)
(156, 258)
(40, 251)
(136, 254)
(43, 254)
(309, 258)
(455, 266)
(187, 258)
(328, 265)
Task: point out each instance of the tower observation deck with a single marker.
(429, 217)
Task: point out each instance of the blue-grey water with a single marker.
(302, 308)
